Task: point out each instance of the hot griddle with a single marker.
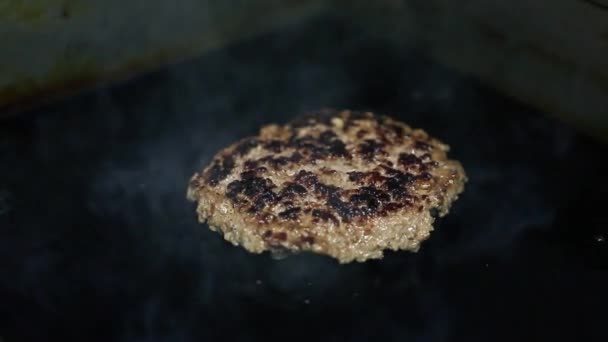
(97, 240)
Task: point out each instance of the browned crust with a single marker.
(345, 184)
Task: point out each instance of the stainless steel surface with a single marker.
(552, 54)
(53, 48)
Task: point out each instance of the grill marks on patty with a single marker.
(255, 190)
(307, 149)
(376, 193)
(388, 193)
(370, 148)
(327, 145)
(219, 171)
(363, 202)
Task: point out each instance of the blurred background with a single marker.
(108, 108)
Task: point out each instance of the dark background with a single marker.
(97, 240)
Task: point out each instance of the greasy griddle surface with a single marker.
(346, 184)
(96, 234)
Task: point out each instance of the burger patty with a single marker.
(340, 183)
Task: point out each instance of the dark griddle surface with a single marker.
(97, 240)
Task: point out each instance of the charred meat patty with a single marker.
(345, 184)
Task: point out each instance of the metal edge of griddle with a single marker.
(410, 26)
(78, 83)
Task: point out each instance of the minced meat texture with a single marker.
(340, 183)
